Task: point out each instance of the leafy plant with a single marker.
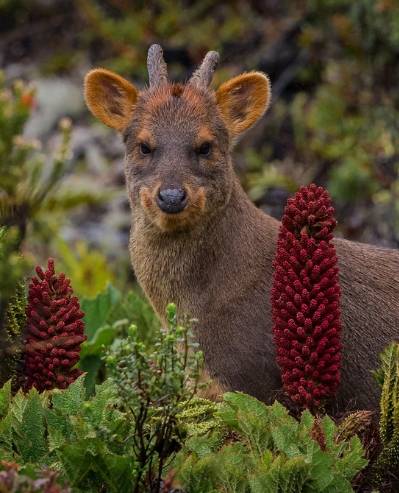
(107, 317)
(12, 268)
(264, 449)
(152, 383)
(14, 336)
(388, 375)
(119, 438)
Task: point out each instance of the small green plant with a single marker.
(13, 335)
(107, 317)
(12, 267)
(262, 449)
(152, 383)
(388, 376)
(118, 439)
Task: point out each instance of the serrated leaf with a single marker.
(6, 432)
(117, 471)
(19, 403)
(329, 429)
(352, 461)
(59, 429)
(76, 460)
(70, 400)
(105, 395)
(5, 398)
(31, 441)
(282, 475)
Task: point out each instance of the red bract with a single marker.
(305, 299)
(54, 331)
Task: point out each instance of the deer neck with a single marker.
(183, 267)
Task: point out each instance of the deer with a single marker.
(197, 239)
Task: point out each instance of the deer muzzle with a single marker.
(171, 200)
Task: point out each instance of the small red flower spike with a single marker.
(54, 331)
(305, 299)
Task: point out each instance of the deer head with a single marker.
(178, 137)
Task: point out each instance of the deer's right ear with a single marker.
(110, 98)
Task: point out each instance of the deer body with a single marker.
(197, 239)
(223, 278)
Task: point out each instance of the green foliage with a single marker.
(388, 375)
(127, 27)
(27, 183)
(13, 332)
(152, 384)
(119, 438)
(87, 268)
(264, 449)
(106, 320)
(31, 188)
(12, 267)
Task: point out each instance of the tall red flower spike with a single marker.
(305, 299)
(54, 331)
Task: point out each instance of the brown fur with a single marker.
(214, 259)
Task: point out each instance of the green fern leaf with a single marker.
(389, 403)
(31, 440)
(5, 398)
(70, 401)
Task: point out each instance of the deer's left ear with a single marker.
(243, 100)
(110, 97)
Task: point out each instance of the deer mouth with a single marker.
(175, 210)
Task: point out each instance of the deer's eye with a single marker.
(144, 149)
(204, 149)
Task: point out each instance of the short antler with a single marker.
(157, 69)
(202, 77)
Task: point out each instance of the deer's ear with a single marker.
(110, 98)
(243, 100)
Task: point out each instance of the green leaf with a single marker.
(103, 337)
(69, 401)
(249, 417)
(91, 366)
(5, 398)
(116, 471)
(31, 440)
(98, 310)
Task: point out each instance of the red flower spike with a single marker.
(305, 299)
(54, 328)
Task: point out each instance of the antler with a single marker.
(203, 75)
(157, 69)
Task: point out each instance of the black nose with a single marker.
(172, 200)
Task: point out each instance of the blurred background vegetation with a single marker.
(334, 119)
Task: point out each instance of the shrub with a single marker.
(262, 449)
(119, 438)
(387, 462)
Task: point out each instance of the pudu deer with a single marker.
(197, 239)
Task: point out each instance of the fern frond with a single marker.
(15, 322)
(389, 403)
